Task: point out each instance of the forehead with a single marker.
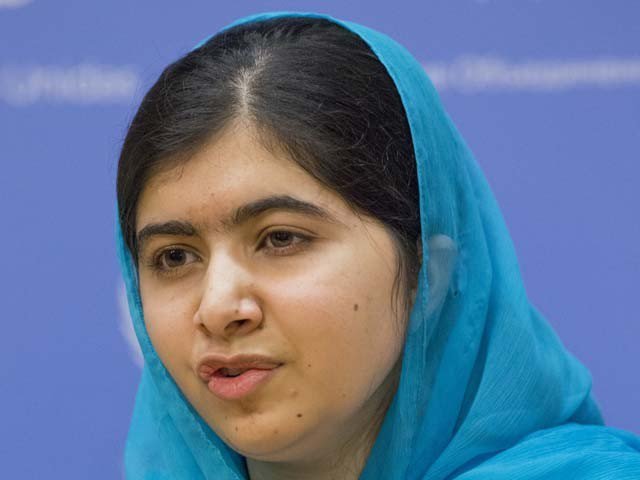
(229, 171)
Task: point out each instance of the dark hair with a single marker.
(313, 90)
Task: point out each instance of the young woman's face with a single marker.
(309, 287)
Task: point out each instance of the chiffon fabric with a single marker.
(487, 390)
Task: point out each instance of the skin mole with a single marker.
(299, 415)
(355, 307)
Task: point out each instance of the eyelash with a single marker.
(156, 262)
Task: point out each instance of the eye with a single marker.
(172, 259)
(281, 242)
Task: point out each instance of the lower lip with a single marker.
(232, 388)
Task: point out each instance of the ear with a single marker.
(442, 253)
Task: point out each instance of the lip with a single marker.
(259, 369)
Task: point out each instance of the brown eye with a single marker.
(173, 258)
(281, 238)
(284, 242)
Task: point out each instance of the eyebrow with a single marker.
(241, 215)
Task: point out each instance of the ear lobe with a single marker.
(443, 253)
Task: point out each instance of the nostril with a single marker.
(237, 324)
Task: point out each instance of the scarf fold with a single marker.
(487, 390)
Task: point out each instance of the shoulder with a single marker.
(589, 452)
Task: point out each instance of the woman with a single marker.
(328, 286)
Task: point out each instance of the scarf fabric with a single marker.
(486, 391)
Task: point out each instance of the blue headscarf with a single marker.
(487, 390)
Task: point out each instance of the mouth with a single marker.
(236, 377)
(233, 387)
(230, 372)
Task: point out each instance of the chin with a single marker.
(272, 445)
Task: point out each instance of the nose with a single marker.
(227, 306)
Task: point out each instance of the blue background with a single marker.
(546, 93)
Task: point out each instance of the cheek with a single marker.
(168, 320)
(339, 320)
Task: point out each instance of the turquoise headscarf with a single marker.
(487, 390)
